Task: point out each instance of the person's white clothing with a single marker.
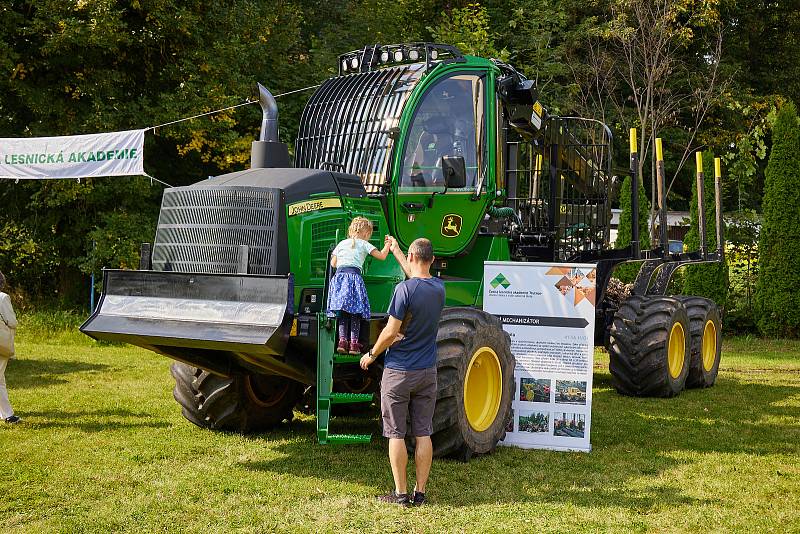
(8, 322)
(6, 410)
(352, 252)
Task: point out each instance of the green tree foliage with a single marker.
(102, 65)
(627, 272)
(468, 30)
(710, 281)
(71, 68)
(741, 239)
(777, 301)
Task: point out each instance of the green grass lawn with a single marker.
(104, 448)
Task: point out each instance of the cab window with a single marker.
(448, 121)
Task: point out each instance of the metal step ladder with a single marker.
(327, 360)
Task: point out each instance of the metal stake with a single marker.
(701, 206)
(635, 244)
(662, 200)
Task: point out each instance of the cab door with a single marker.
(449, 120)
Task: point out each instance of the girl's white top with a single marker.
(348, 255)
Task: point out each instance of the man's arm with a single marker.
(400, 257)
(385, 340)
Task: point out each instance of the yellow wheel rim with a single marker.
(676, 350)
(709, 345)
(483, 389)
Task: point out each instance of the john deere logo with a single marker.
(500, 280)
(451, 225)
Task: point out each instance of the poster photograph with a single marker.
(534, 389)
(549, 311)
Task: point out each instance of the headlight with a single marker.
(413, 55)
(398, 55)
(385, 56)
(434, 55)
(344, 65)
(354, 63)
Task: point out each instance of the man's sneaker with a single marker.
(13, 419)
(343, 347)
(418, 499)
(395, 498)
(355, 347)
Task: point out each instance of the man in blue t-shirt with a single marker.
(408, 385)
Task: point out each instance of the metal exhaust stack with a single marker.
(268, 151)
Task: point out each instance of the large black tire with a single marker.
(706, 344)
(249, 403)
(467, 337)
(644, 329)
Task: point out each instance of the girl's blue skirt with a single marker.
(347, 292)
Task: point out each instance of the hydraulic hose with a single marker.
(504, 212)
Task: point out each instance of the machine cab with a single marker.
(412, 121)
(441, 164)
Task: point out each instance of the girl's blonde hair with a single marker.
(357, 226)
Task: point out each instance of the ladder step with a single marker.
(344, 439)
(348, 398)
(346, 358)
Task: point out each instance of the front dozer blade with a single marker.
(214, 321)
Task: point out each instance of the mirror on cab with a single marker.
(455, 172)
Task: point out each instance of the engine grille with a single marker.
(201, 229)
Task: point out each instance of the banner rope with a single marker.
(157, 180)
(152, 128)
(245, 103)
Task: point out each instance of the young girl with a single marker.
(347, 296)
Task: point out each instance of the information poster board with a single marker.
(549, 311)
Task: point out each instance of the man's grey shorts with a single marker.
(405, 393)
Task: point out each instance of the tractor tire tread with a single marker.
(218, 403)
(461, 332)
(638, 344)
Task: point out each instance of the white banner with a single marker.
(73, 156)
(549, 311)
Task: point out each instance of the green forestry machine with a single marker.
(425, 142)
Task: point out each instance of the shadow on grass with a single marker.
(732, 417)
(37, 373)
(94, 420)
(635, 441)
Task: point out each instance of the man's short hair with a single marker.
(422, 249)
(2, 281)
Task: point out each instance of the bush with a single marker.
(627, 272)
(709, 280)
(741, 253)
(53, 326)
(777, 300)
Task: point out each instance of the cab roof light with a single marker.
(377, 56)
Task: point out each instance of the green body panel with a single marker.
(463, 276)
(312, 234)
